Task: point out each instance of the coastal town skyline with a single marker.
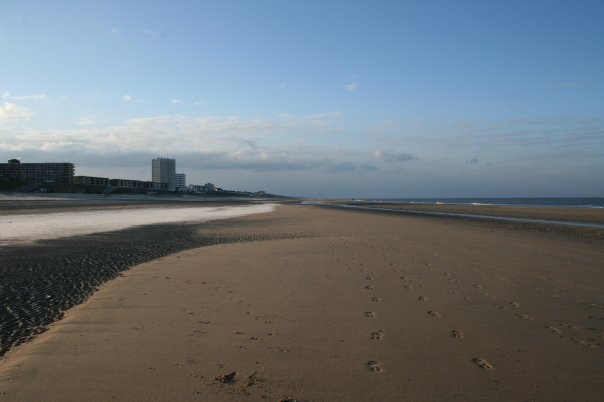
(335, 100)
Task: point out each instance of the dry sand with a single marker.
(364, 306)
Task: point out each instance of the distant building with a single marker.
(127, 183)
(209, 187)
(46, 172)
(91, 181)
(150, 185)
(164, 171)
(195, 188)
(181, 180)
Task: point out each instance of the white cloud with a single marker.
(85, 120)
(352, 87)
(114, 30)
(211, 142)
(10, 111)
(283, 85)
(172, 133)
(200, 103)
(8, 95)
(176, 101)
(148, 32)
(392, 156)
(127, 98)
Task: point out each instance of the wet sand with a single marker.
(335, 305)
(32, 204)
(571, 214)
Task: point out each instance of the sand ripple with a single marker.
(39, 282)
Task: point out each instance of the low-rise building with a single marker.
(91, 181)
(14, 170)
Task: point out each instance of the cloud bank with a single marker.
(206, 142)
(10, 111)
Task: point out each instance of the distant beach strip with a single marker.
(478, 216)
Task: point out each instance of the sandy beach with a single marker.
(315, 304)
(570, 214)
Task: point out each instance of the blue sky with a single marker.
(315, 98)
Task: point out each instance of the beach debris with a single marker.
(434, 313)
(482, 363)
(422, 298)
(226, 378)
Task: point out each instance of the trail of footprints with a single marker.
(372, 365)
(376, 367)
(590, 339)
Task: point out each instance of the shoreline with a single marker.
(329, 304)
(32, 205)
(474, 214)
(551, 213)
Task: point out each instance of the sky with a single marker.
(368, 99)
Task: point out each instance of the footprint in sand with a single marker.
(369, 287)
(374, 366)
(377, 335)
(524, 316)
(408, 287)
(434, 313)
(479, 287)
(515, 304)
(422, 298)
(457, 333)
(482, 363)
(555, 330)
(587, 342)
(376, 299)
(369, 314)
(369, 278)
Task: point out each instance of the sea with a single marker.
(568, 202)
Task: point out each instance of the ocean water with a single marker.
(588, 202)
(19, 229)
